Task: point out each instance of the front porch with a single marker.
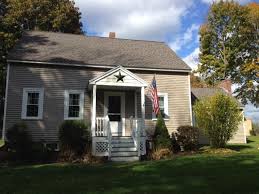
(118, 115)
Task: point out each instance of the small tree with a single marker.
(161, 135)
(218, 116)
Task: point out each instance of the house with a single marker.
(248, 126)
(224, 87)
(52, 77)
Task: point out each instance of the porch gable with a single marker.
(118, 76)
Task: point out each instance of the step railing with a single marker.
(135, 125)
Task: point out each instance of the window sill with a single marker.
(165, 119)
(73, 118)
(32, 118)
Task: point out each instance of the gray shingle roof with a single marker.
(80, 49)
(200, 93)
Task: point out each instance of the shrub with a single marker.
(218, 116)
(255, 129)
(175, 145)
(18, 140)
(162, 153)
(161, 136)
(187, 136)
(74, 136)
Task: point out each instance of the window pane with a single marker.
(33, 98)
(74, 99)
(162, 112)
(32, 110)
(73, 111)
(161, 101)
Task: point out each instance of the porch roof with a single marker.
(118, 76)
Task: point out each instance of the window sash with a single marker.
(70, 104)
(163, 107)
(31, 101)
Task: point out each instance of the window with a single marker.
(163, 105)
(74, 104)
(32, 105)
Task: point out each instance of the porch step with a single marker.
(123, 145)
(123, 149)
(125, 159)
(124, 153)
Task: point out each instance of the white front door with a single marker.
(114, 110)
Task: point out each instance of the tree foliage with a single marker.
(218, 116)
(46, 15)
(229, 47)
(197, 82)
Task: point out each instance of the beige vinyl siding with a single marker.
(56, 79)
(177, 87)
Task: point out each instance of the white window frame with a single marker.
(165, 95)
(66, 104)
(25, 101)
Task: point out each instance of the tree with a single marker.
(46, 15)
(218, 116)
(197, 82)
(161, 135)
(229, 48)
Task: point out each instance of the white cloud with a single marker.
(137, 19)
(189, 35)
(193, 58)
(239, 1)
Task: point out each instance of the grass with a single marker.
(236, 172)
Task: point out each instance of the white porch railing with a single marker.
(103, 137)
(135, 125)
(100, 128)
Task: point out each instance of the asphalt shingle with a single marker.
(90, 50)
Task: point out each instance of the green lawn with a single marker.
(201, 173)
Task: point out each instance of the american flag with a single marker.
(154, 96)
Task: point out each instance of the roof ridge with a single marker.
(92, 36)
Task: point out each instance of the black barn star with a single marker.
(119, 77)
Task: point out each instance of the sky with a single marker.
(175, 22)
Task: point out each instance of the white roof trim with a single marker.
(118, 68)
(99, 66)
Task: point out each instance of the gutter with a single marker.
(98, 66)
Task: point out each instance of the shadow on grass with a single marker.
(239, 147)
(189, 174)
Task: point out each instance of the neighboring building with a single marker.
(224, 87)
(248, 126)
(53, 77)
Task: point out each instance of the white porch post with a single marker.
(143, 107)
(142, 118)
(93, 119)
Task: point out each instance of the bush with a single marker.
(187, 137)
(255, 129)
(74, 136)
(161, 136)
(218, 116)
(19, 141)
(175, 145)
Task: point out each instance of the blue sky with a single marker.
(175, 22)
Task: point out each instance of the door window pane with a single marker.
(114, 104)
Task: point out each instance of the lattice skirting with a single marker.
(100, 146)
